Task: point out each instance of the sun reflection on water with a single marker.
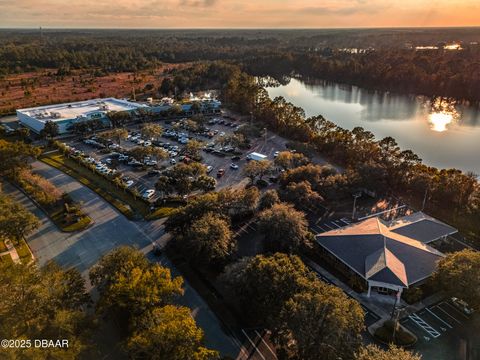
(442, 115)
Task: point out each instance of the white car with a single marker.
(209, 169)
(148, 194)
(234, 166)
(173, 161)
(147, 143)
(275, 154)
(129, 183)
(150, 162)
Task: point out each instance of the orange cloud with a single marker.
(238, 13)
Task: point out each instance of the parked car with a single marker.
(148, 194)
(154, 172)
(173, 161)
(234, 166)
(209, 169)
(220, 173)
(129, 183)
(275, 154)
(218, 153)
(235, 158)
(462, 306)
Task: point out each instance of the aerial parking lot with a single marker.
(444, 330)
(224, 163)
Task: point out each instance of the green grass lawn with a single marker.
(161, 213)
(23, 251)
(122, 200)
(6, 259)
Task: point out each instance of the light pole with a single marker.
(355, 197)
(425, 199)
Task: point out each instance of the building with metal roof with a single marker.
(422, 227)
(385, 255)
(68, 113)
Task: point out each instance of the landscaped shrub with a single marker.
(402, 337)
(42, 190)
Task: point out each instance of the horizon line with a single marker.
(242, 28)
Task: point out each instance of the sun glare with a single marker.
(440, 121)
(443, 114)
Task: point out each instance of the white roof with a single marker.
(255, 154)
(65, 111)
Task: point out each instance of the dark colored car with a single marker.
(218, 153)
(154, 172)
(220, 173)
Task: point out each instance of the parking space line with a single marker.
(327, 226)
(456, 310)
(268, 347)
(446, 313)
(253, 344)
(443, 321)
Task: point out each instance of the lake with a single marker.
(443, 133)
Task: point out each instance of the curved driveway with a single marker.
(109, 230)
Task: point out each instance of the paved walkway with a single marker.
(110, 230)
(370, 305)
(11, 251)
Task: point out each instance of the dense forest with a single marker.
(370, 163)
(386, 59)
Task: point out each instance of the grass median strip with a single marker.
(122, 201)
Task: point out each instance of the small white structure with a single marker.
(68, 113)
(256, 156)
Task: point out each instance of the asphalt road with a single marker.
(110, 230)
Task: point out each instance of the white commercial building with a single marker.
(67, 114)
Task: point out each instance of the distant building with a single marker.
(387, 256)
(67, 114)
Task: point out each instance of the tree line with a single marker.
(388, 60)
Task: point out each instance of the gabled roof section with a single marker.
(384, 264)
(375, 252)
(421, 227)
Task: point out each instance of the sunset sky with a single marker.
(237, 13)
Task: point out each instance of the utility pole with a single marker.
(425, 199)
(355, 196)
(395, 314)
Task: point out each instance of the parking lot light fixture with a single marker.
(355, 197)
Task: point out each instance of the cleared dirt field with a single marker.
(46, 87)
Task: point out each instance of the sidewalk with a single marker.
(11, 251)
(369, 304)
